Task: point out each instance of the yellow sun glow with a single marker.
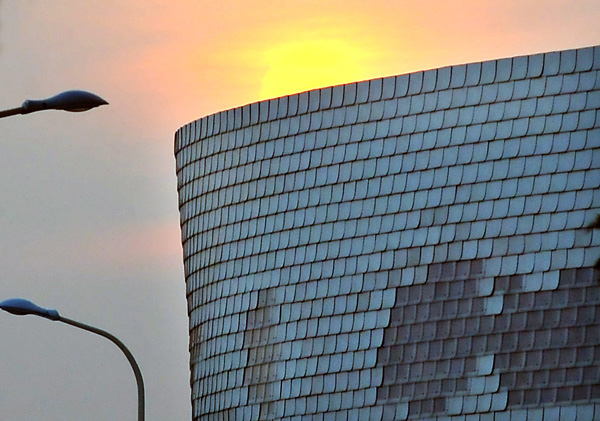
(302, 65)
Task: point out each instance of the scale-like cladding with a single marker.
(408, 247)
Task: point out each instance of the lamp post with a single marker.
(22, 307)
(72, 101)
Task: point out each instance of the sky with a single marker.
(89, 221)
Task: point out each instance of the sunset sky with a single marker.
(88, 217)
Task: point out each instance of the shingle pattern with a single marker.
(412, 247)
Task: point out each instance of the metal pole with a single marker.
(128, 354)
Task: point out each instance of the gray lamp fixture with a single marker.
(72, 101)
(22, 307)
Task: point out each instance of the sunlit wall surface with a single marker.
(407, 247)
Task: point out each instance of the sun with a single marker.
(297, 66)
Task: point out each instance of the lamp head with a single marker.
(72, 101)
(22, 307)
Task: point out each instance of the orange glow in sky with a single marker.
(302, 65)
(255, 50)
(176, 61)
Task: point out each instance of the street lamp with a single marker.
(73, 101)
(22, 307)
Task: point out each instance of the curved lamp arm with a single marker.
(136, 369)
(11, 111)
(22, 307)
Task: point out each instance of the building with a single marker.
(407, 247)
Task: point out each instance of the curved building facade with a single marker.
(412, 247)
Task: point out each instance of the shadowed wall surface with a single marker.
(406, 247)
